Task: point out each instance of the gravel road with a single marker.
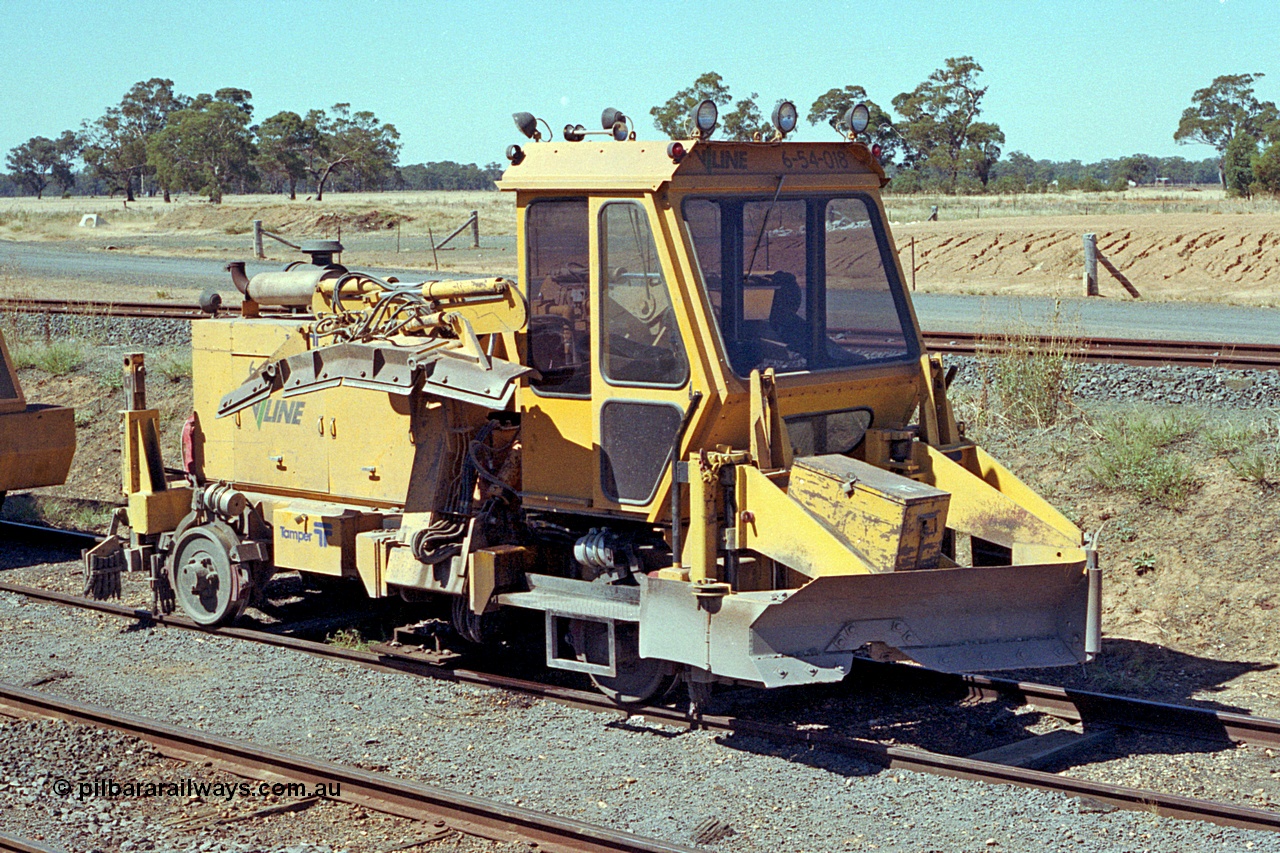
(644, 778)
(72, 262)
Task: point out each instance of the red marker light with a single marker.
(876, 151)
(675, 151)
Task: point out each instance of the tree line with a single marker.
(933, 139)
(158, 141)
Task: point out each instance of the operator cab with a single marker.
(655, 273)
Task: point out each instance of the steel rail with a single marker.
(122, 309)
(1089, 707)
(889, 757)
(1140, 352)
(13, 844)
(381, 792)
(1236, 356)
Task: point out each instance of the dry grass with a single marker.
(916, 208)
(58, 218)
(441, 212)
(1027, 375)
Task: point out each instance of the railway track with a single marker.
(12, 844)
(1093, 709)
(377, 791)
(1113, 350)
(1126, 351)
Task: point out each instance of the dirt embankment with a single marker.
(1195, 257)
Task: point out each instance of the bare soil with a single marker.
(1190, 599)
(1204, 257)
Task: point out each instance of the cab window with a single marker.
(640, 339)
(558, 244)
(800, 284)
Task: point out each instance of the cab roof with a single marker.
(645, 166)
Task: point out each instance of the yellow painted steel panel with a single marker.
(316, 537)
(280, 444)
(367, 442)
(895, 522)
(158, 512)
(559, 458)
(36, 446)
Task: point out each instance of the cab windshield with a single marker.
(800, 283)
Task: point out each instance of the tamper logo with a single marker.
(321, 531)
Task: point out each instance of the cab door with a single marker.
(555, 404)
(641, 369)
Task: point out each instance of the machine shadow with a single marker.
(898, 705)
(22, 550)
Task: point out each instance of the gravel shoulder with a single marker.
(647, 779)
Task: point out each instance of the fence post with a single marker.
(913, 263)
(475, 229)
(1091, 265)
(257, 239)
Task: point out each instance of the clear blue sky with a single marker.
(1066, 80)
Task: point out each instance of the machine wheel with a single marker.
(211, 588)
(478, 628)
(639, 680)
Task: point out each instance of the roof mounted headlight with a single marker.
(705, 118)
(610, 117)
(526, 122)
(618, 125)
(785, 117)
(857, 118)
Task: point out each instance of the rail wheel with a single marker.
(638, 680)
(212, 589)
(478, 628)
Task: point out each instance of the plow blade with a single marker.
(1004, 617)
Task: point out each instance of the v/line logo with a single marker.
(278, 412)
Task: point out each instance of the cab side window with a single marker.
(557, 240)
(641, 339)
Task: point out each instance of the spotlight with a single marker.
(857, 118)
(705, 118)
(785, 117)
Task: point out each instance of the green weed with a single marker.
(1135, 456)
(57, 358)
(58, 512)
(349, 638)
(1252, 451)
(174, 366)
(111, 380)
(1124, 531)
(1231, 439)
(1260, 466)
(1028, 372)
(22, 354)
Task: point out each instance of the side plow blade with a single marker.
(1002, 617)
